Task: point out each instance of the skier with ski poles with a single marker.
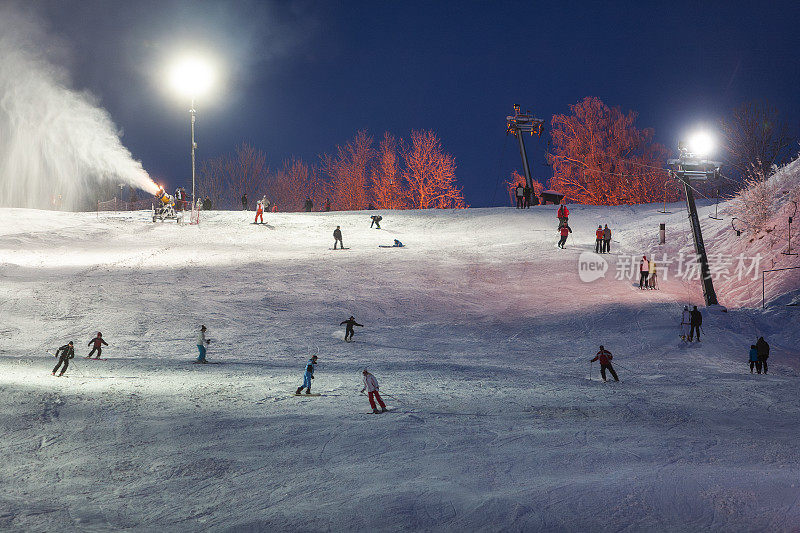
(348, 331)
(371, 386)
(308, 376)
(605, 357)
(201, 345)
(98, 346)
(67, 352)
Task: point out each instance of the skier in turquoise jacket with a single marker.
(308, 376)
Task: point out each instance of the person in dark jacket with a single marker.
(98, 345)
(376, 221)
(308, 376)
(565, 230)
(695, 322)
(244, 201)
(66, 352)
(605, 357)
(606, 239)
(337, 236)
(348, 332)
(309, 205)
(527, 194)
(763, 352)
(327, 204)
(754, 362)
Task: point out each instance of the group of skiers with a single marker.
(67, 352)
(602, 240)
(648, 274)
(759, 353)
(563, 224)
(525, 196)
(691, 321)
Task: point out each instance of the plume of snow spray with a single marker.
(53, 140)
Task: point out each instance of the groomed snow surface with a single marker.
(480, 333)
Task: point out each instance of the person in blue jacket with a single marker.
(754, 359)
(308, 376)
(397, 244)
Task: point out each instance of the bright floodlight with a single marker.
(701, 143)
(192, 76)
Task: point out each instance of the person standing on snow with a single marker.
(67, 352)
(605, 357)
(308, 376)
(565, 230)
(371, 386)
(686, 321)
(348, 331)
(653, 275)
(520, 193)
(376, 220)
(598, 243)
(98, 345)
(644, 271)
(259, 211)
(695, 322)
(606, 239)
(562, 214)
(201, 345)
(763, 352)
(754, 359)
(244, 201)
(337, 236)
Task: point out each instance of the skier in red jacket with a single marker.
(259, 212)
(598, 243)
(98, 345)
(563, 214)
(605, 357)
(565, 230)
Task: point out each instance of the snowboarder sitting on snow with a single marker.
(565, 231)
(754, 359)
(67, 352)
(605, 357)
(695, 322)
(371, 386)
(98, 342)
(563, 214)
(337, 236)
(686, 321)
(763, 351)
(201, 345)
(598, 242)
(644, 271)
(376, 220)
(398, 244)
(308, 376)
(348, 332)
(606, 239)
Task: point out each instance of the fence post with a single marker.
(762, 291)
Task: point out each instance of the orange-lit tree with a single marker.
(600, 157)
(349, 173)
(290, 185)
(388, 186)
(430, 173)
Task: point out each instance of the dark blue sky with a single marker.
(302, 77)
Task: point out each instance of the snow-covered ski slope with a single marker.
(480, 333)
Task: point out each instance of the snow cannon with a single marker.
(165, 207)
(164, 198)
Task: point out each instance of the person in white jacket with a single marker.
(644, 271)
(686, 322)
(371, 386)
(201, 345)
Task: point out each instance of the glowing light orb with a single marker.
(701, 143)
(192, 76)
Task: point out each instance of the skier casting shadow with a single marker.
(348, 332)
(98, 346)
(308, 376)
(67, 352)
(605, 357)
(337, 237)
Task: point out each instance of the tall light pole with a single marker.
(192, 77)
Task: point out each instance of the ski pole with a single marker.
(591, 366)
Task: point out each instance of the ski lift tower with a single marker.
(693, 166)
(520, 123)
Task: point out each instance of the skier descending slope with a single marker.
(565, 230)
(348, 331)
(371, 386)
(67, 352)
(201, 345)
(605, 357)
(98, 342)
(308, 376)
(259, 212)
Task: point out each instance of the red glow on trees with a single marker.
(348, 171)
(430, 173)
(387, 183)
(600, 157)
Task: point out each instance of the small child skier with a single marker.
(67, 352)
(371, 386)
(754, 362)
(98, 346)
(605, 357)
(308, 376)
(201, 345)
(348, 331)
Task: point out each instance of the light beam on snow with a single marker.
(53, 140)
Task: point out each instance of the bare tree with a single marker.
(348, 172)
(756, 141)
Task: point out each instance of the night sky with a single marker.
(302, 77)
